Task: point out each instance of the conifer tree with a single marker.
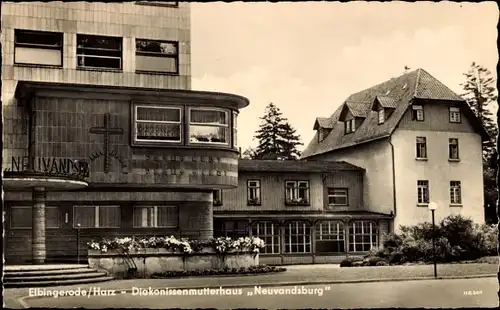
(277, 139)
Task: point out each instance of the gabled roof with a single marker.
(386, 102)
(396, 92)
(293, 166)
(323, 122)
(357, 109)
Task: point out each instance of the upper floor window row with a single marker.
(421, 149)
(95, 52)
(417, 112)
(164, 125)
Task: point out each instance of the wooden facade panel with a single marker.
(436, 118)
(272, 192)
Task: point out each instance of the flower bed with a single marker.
(146, 256)
(252, 270)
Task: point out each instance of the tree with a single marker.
(480, 93)
(277, 139)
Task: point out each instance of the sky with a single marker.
(308, 57)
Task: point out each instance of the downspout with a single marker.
(393, 176)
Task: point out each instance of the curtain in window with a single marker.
(168, 216)
(109, 216)
(85, 216)
(209, 117)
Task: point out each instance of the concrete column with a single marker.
(196, 220)
(38, 227)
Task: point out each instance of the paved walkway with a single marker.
(310, 274)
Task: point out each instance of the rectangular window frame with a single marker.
(226, 126)
(46, 222)
(292, 193)
(350, 126)
(92, 68)
(235, 128)
(421, 147)
(269, 232)
(455, 115)
(59, 47)
(334, 195)
(96, 217)
(381, 116)
(304, 244)
(151, 54)
(456, 193)
(254, 201)
(335, 233)
(423, 192)
(418, 113)
(147, 142)
(155, 216)
(453, 143)
(217, 198)
(372, 233)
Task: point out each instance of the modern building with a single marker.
(102, 135)
(417, 141)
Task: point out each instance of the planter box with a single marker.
(151, 260)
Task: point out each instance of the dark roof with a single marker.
(27, 88)
(293, 166)
(387, 102)
(323, 122)
(396, 92)
(358, 109)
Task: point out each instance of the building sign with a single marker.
(49, 165)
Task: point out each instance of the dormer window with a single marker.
(454, 115)
(322, 133)
(350, 126)
(381, 116)
(417, 113)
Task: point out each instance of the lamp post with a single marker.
(78, 243)
(432, 207)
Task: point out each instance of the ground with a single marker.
(479, 292)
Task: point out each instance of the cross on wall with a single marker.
(107, 131)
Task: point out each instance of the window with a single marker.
(38, 48)
(99, 52)
(158, 124)
(455, 192)
(421, 147)
(156, 56)
(269, 232)
(337, 197)
(350, 126)
(22, 217)
(417, 113)
(423, 192)
(217, 197)
(208, 126)
(453, 148)
(156, 216)
(232, 229)
(97, 216)
(381, 116)
(253, 193)
(297, 237)
(235, 129)
(454, 115)
(363, 236)
(330, 237)
(297, 192)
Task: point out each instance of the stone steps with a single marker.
(51, 275)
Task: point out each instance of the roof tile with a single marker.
(293, 166)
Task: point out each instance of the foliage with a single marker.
(223, 271)
(480, 93)
(220, 245)
(348, 261)
(277, 139)
(456, 239)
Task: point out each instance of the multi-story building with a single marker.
(418, 142)
(306, 212)
(102, 135)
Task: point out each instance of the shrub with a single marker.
(456, 239)
(348, 261)
(382, 263)
(222, 271)
(373, 260)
